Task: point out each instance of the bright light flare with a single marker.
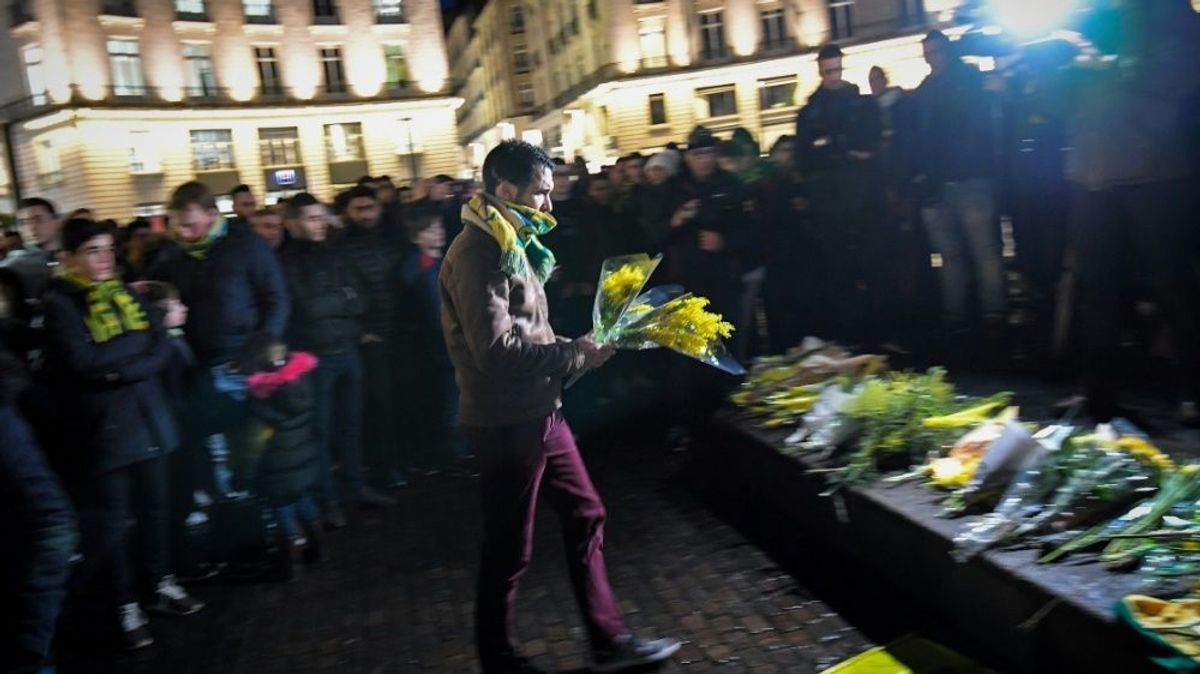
(1032, 18)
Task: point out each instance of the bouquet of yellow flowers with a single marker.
(665, 316)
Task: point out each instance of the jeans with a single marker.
(298, 517)
(963, 229)
(129, 500)
(338, 388)
(518, 463)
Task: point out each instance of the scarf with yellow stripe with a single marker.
(516, 228)
(199, 249)
(111, 309)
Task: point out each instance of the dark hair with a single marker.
(298, 202)
(936, 36)
(442, 178)
(359, 192)
(385, 178)
(340, 201)
(38, 202)
(153, 292)
(729, 148)
(635, 155)
(138, 223)
(192, 193)
(881, 71)
(364, 180)
(13, 234)
(829, 51)
(253, 355)
(514, 161)
(82, 213)
(78, 231)
(239, 189)
(782, 141)
(420, 219)
(268, 211)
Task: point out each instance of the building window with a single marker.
(712, 36)
(279, 146)
(325, 11)
(777, 93)
(525, 96)
(774, 29)
(652, 39)
(189, 8)
(912, 13)
(35, 75)
(520, 59)
(658, 109)
(389, 11)
(212, 150)
(331, 66)
(397, 66)
(197, 60)
(841, 19)
(143, 153)
(118, 8)
(716, 102)
(408, 141)
(125, 61)
(258, 10)
(268, 71)
(592, 11)
(344, 142)
(49, 163)
(518, 19)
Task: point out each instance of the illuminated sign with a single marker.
(285, 177)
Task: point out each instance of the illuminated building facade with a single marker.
(126, 99)
(609, 77)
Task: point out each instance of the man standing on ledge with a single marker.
(509, 366)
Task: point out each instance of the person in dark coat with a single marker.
(231, 282)
(104, 355)
(283, 464)
(370, 250)
(31, 266)
(329, 297)
(38, 527)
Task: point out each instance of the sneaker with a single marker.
(335, 518)
(373, 499)
(135, 630)
(171, 599)
(626, 652)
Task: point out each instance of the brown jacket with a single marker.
(507, 361)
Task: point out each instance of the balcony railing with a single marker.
(152, 97)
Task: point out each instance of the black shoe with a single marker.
(315, 547)
(512, 664)
(627, 651)
(369, 498)
(335, 518)
(171, 599)
(135, 630)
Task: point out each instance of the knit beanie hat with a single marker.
(667, 159)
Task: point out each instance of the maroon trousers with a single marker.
(517, 463)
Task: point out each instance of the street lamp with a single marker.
(410, 148)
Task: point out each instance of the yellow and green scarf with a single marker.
(199, 249)
(516, 228)
(111, 309)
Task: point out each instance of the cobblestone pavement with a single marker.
(397, 594)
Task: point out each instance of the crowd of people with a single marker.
(291, 358)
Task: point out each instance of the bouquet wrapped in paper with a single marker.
(626, 317)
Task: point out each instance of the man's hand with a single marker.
(371, 338)
(711, 242)
(686, 212)
(594, 355)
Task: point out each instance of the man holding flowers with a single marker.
(509, 366)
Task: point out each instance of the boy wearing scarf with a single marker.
(509, 366)
(104, 355)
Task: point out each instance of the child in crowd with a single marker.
(432, 399)
(282, 447)
(104, 354)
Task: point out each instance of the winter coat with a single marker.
(957, 128)
(282, 413)
(418, 313)
(327, 297)
(833, 123)
(374, 256)
(115, 408)
(236, 290)
(723, 209)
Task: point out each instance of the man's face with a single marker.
(599, 192)
(935, 55)
(702, 161)
(244, 205)
(386, 192)
(657, 175)
(175, 313)
(831, 72)
(536, 194)
(633, 169)
(564, 180)
(878, 82)
(311, 223)
(38, 225)
(363, 211)
(95, 259)
(439, 191)
(432, 239)
(782, 156)
(270, 227)
(193, 222)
